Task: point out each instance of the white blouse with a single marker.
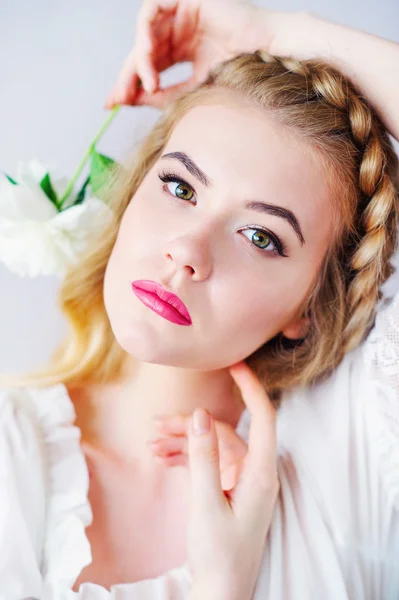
(335, 530)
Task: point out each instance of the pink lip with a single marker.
(166, 304)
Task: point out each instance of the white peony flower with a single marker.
(36, 239)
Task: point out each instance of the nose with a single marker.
(191, 254)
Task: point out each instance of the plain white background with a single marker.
(58, 62)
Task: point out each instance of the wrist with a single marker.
(300, 34)
(259, 25)
(275, 31)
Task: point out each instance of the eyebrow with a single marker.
(261, 207)
(190, 166)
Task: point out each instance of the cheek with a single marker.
(113, 282)
(258, 309)
(120, 262)
(250, 307)
(140, 228)
(128, 241)
(264, 311)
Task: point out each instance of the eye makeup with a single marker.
(280, 247)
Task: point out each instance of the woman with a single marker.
(268, 200)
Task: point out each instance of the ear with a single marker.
(297, 328)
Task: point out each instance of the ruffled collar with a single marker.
(67, 549)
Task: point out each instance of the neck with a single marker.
(117, 418)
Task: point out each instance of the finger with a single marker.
(151, 11)
(163, 97)
(231, 447)
(143, 53)
(127, 85)
(173, 424)
(179, 424)
(174, 460)
(206, 490)
(145, 61)
(138, 95)
(262, 435)
(154, 25)
(261, 462)
(161, 29)
(127, 95)
(138, 63)
(169, 445)
(185, 23)
(230, 476)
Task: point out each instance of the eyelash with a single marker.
(168, 177)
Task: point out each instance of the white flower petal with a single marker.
(22, 203)
(30, 173)
(36, 239)
(26, 248)
(81, 215)
(48, 248)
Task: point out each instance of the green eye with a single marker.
(183, 191)
(268, 243)
(260, 239)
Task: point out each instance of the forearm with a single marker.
(370, 62)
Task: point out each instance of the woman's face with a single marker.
(190, 227)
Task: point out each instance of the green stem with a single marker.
(88, 154)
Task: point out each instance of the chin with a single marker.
(144, 344)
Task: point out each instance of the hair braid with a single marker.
(375, 235)
(370, 261)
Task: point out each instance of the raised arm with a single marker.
(369, 61)
(206, 32)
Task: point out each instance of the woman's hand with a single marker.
(204, 32)
(227, 532)
(172, 448)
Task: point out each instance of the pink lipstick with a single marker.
(167, 305)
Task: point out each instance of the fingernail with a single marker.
(149, 87)
(201, 421)
(146, 87)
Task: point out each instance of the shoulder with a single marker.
(380, 365)
(29, 418)
(381, 347)
(22, 495)
(44, 507)
(19, 434)
(34, 412)
(37, 430)
(344, 432)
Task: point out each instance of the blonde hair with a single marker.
(314, 101)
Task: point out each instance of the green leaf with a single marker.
(101, 171)
(11, 180)
(82, 192)
(48, 189)
(79, 197)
